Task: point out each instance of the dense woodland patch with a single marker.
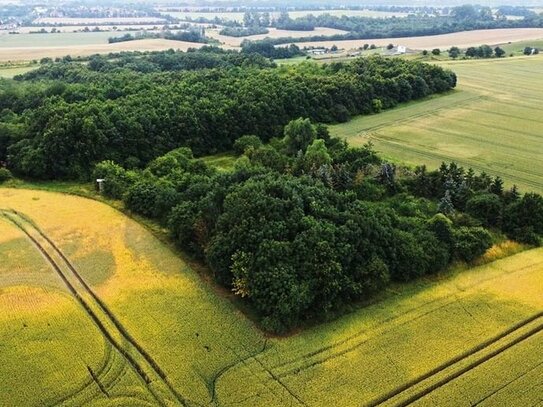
(306, 226)
(58, 121)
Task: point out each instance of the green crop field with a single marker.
(488, 123)
(98, 311)
(174, 330)
(517, 48)
(9, 71)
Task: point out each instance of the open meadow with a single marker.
(103, 313)
(487, 123)
(9, 71)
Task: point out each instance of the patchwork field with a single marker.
(97, 21)
(488, 123)
(26, 47)
(79, 28)
(273, 33)
(238, 16)
(102, 312)
(462, 39)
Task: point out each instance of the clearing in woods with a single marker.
(96, 309)
(487, 123)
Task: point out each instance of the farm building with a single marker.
(317, 51)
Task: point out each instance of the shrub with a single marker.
(470, 243)
(152, 198)
(523, 219)
(181, 223)
(441, 227)
(485, 207)
(410, 259)
(244, 142)
(5, 175)
(117, 179)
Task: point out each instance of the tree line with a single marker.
(58, 121)
(192, 34)
(305, 226)
(243, 31)
(463, 18)
(206, 57)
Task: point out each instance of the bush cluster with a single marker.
(66, 117)
(305, 226)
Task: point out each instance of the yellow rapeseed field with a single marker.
(129, 309)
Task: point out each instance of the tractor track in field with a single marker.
(471, 137)
(110, 314)
(427, 113)
(361, 337)
(212, 387)
(389, 397)
(253, 356)
(410, 315)
(110, 372)
(478, 164)
(504, 386)
(146, 363)
(102, 370)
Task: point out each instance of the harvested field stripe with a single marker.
(138, 368)
(389, 398)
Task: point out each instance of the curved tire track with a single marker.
(108, 312)
(137, 366)
(361, 337)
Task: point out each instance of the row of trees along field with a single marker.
(305, 226)
(58, 121)
(462, 18)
